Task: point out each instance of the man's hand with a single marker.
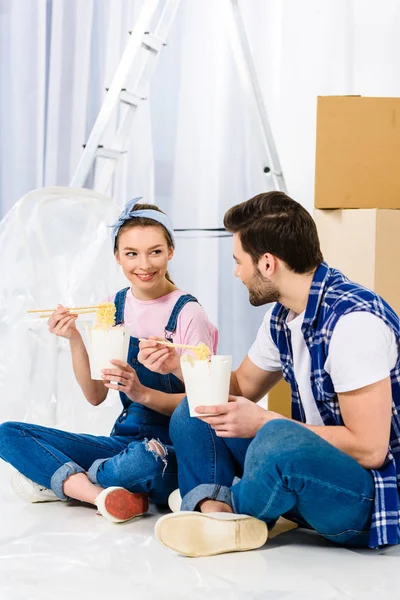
(159, 358)
(240, 418)
(124, 379)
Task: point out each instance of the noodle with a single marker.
(105, 316)
(202, 351)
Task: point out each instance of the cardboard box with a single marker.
(365, 245)
(280, 399)
(357, 154)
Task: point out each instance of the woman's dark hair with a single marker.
(273, 222)
(145, 222)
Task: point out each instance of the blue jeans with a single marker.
(285, 470)
(48, 456)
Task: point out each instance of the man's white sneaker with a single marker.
(29, 490)
(205, 534)
(175, 501)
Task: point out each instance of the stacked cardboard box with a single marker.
(280, 399)
(357, 190)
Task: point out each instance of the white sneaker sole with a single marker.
(197, 534)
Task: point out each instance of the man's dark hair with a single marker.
(274, 223)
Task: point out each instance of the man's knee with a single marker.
(278, 441)
(179, 417)
(277, 430)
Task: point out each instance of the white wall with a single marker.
(192, 149)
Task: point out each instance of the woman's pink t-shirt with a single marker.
(145, 318)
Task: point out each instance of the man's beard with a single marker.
(261, 290)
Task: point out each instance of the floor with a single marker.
(61, 551)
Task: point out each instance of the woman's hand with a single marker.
(159, 358)
(124, 379)
(62, 323)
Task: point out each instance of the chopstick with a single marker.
(50, 310)
(170, 344)
(73, 311)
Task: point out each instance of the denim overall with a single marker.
(135, 418)
(49, 456)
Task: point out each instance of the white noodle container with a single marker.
(106, 345)
(206, 382)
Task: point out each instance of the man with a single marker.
(333, 466)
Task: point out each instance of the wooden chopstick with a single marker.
(50, 310)
(170, 344)
(76, 311)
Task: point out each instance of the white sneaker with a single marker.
(205, 534)
(29, 490)
(175, 501)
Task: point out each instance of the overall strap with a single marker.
(173, 319)
(119, 302)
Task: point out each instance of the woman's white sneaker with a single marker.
(205, 534)
(29, 490)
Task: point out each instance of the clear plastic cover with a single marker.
(55, 247)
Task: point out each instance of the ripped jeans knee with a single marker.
(147, 465)
(158, 450)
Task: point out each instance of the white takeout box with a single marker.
(206, 382)
(105, 345)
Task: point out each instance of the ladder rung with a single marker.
(153, 42)
(136, 65)
(131, 98)
(109, 153)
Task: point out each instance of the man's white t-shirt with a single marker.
(362, 351)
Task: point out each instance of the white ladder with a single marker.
(142, 53)
(248, 76)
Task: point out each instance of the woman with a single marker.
(136, 463)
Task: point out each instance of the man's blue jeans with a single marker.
(285, 470)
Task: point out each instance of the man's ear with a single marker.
(267, 265)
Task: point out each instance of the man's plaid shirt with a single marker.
(332, 295)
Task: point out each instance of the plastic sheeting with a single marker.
(55, 247)
(65, 551)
